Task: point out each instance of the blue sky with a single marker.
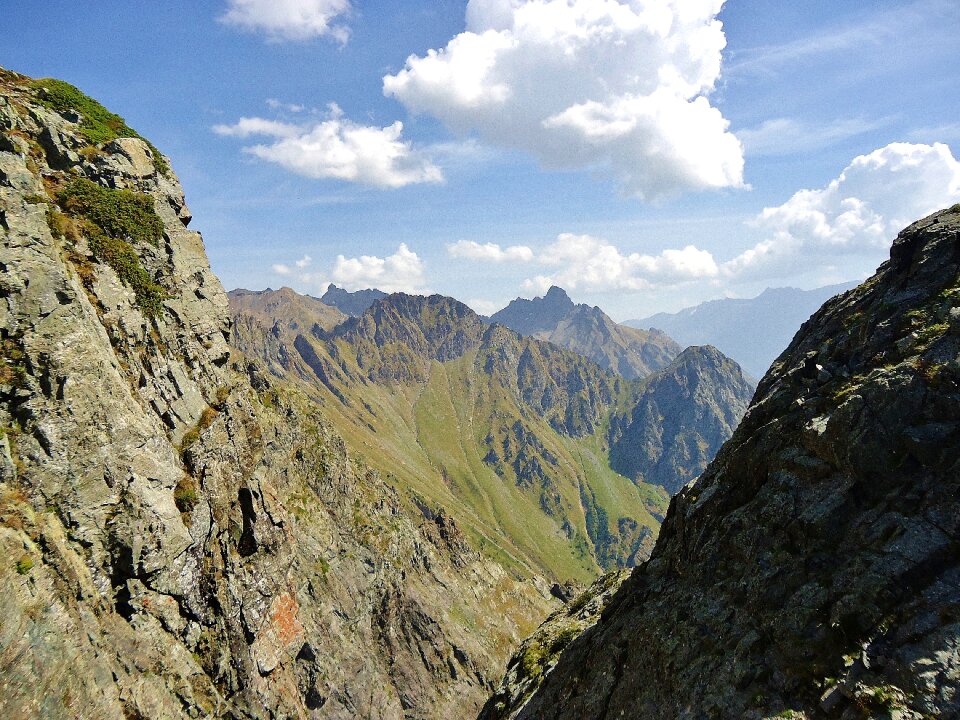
(635, 152)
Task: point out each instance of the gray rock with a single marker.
(819, 549)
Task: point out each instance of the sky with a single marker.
(646, 155)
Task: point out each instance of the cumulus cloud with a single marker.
(617, 87)
(483, 307)
(854, 216)
(489, 252)
(289, 19)
(402, 271)
(337, 148)
(593, 264)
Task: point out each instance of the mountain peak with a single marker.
(529, 317)
(351, 303)
(557, 294)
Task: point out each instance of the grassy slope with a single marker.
(406, 432)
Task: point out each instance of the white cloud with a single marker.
(275, 104)
(245, 127)
(401, 272)
(289, 19)
(489, 252)
(337, 148)
(483, 307)
(281, 269)
(304, 262)
(616, 87)
(787, 136)
(594, 265)
(854, 216)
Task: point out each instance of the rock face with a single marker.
(812, 571)
(350, 303)
(752, 332)
(686, 413)
(589, 332)
(180, 535)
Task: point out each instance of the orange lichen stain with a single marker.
(285, 619)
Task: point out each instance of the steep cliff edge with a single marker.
(812, 570)
(180, 536)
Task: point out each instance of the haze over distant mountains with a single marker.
(350, 303)
(753, 332)
(590, 332)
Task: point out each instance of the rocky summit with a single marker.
(590, 332)
(813, 571)
(180, 535)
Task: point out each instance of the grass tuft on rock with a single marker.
(112, 219)
(97, 124)
(121, 214)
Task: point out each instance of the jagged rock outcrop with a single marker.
(588, 331)
(182, 536)
(351, 303)
(686, 413)
(812, 571)
(540, 652)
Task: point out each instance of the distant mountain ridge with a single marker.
(589, 332)
(350, 303)
(510, 433)
(752, 331)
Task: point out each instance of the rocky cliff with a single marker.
(685, 414)
(180, 535)
(812, 571)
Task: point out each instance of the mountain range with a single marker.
(753, 332)
(811, 571)
(265, 506)
(590, 332)
(515, 436)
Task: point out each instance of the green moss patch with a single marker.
(121, 214)
(97, 124)
(24, 565)
(111, 220)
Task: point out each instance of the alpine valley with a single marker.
(349, 513)
(266, 505)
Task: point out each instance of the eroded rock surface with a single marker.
(812, 570)
(179, 535)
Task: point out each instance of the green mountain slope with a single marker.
(510, 434)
